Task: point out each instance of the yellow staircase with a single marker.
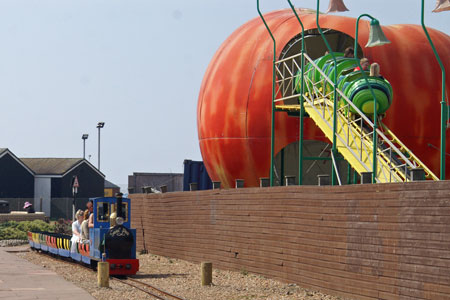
(354, 132)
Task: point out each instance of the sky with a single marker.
(136, 65)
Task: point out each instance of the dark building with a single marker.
(53, 184)
(47, 183)
(137, 181)
(16, 180)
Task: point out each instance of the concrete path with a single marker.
(22, 280)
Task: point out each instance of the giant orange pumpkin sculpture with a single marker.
(234, 107)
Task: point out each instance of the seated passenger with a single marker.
(365, 64)
(90, 207)
(29, 207)
(76, 230)
(85, 227)
(375, 70)
(349, 52)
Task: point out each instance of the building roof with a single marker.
(6, 151)
(54, 166)
(110, 185)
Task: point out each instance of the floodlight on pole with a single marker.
(376, 38)
(100, 125)
(334, 139)
(442, 5)
(272, 142)
(302, 107)
(84, 137)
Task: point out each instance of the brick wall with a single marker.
(383, 241)
(22, 217)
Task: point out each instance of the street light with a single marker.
(376, 38)
(302, 107)
(272, 138)
(442, 5)
(99, 126)
(332, 8)
(84, 137)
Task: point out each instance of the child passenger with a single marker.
(365, 64)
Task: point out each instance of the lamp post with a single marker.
(302, 107)
(334, 148)
(272, 139)
(442, 6)
(84, 137)
(100, 125)
(376, 38)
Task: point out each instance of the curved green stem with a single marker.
(302, 107)
(375, 126)
(272, 138)
(443, 106)
(334, 148)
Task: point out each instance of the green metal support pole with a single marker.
(272, 137)
(375, 126)
(302, 107)
(443, 104)
(334, 148)
(282, 167)
(349, 173)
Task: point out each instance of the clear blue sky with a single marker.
(136, 65)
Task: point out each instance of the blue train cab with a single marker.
(112, 235)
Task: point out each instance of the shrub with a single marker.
(12, 233)
(18, 230)
(63, 226)
(36, 225)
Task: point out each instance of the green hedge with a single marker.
(13, 230)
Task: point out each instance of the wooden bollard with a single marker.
(206, 273)
(103, 274)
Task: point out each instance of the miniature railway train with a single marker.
(111, 239)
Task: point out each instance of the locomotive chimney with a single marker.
(119, 205)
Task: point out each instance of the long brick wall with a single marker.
(22, 216)
(381, 241)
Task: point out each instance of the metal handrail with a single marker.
(355, 137)
(413, 156)
(361, 114)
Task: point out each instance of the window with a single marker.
(102, 212)
(125, 211)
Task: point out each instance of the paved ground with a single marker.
(22, 280)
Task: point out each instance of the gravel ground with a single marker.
(180, 278)
(12, 243)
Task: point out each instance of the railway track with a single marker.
(154, 291)
(149, 289)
